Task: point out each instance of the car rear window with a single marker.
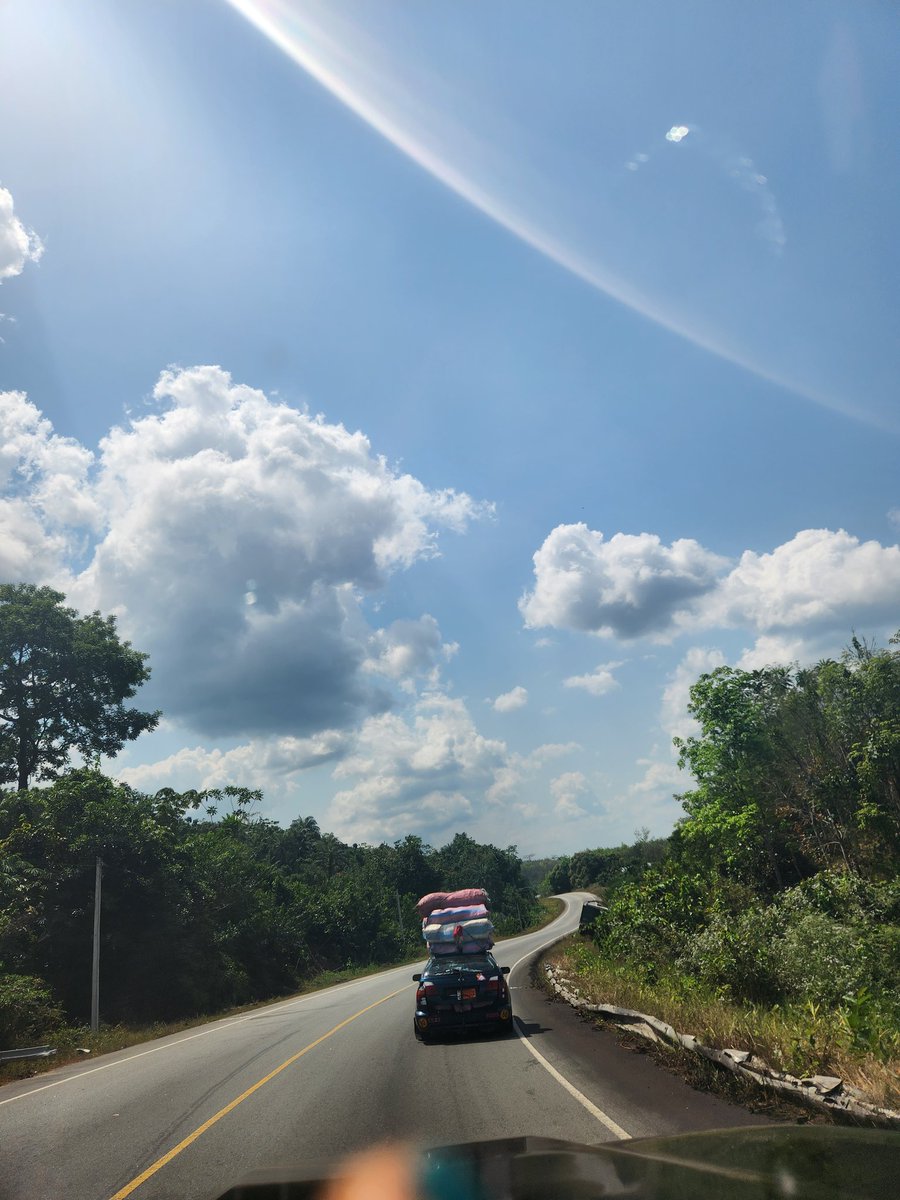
(453, 963)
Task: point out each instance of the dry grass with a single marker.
(801, 1039)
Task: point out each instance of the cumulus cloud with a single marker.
(518, 768)
(259, 763)
(598, 682)
(658, 781)
(567, 790)
(778, 650)
(510, 701)
(425, 771)
(408, 650)
(46, 509)
(634, 585)
(237, 541)
(18, 245)
(674, 716)
(629, 586)
(821, 577)
(429, 770)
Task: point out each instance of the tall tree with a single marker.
(63, 680)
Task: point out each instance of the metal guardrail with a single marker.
(27, 1052)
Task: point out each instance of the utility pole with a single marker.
(95, 965)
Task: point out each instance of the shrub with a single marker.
(735, 956)
(28, 1011)
(820, 959)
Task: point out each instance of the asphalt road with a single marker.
(324, 1074)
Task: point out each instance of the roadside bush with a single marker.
(736, 956)
(845, 896)
(27, 1010)
(820, 959)
(650, 924)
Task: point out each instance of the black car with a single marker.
(462, 991)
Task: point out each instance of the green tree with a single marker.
(737, 813)
(63, 680)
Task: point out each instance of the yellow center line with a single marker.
(201, 1129)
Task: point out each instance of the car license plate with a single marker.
(469, 993)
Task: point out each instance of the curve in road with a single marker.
(318, 1076)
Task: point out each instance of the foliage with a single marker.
(535, 870)
(605, 869)
(796, 772)
(780, 888)
(63, 679)
(205, 903)
(27, 1010)
(854, 1040)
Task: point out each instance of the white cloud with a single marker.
(546, 753)
(598, 682)
(821, 577)
(427, 772)
(774, 650)
(629, 586)
(678, 133)
(894, 517)
(674, 716)
(18, 245)
(660, 779)
(408, 650)
(430, 771)
(518, 768)
(567, 790)
(46, 508)
(263, 762)
(510, 701)
(237, 540)
(632, 586)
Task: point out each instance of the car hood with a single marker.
(805, 1163)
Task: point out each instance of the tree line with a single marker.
(781, 883)
(206, 903)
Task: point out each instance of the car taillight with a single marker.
(495, 985)
(423, 991)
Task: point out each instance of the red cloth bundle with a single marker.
(461, 899)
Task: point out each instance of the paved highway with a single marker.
(320, 1075)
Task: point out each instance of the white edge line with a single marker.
(216, 1028)
(592, 1108)
(597, 1113)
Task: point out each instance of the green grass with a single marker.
(803, 1039)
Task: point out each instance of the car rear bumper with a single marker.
(435, 1022)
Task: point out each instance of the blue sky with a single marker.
(627, 401)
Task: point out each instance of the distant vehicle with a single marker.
(590, 911)
(462, 991)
